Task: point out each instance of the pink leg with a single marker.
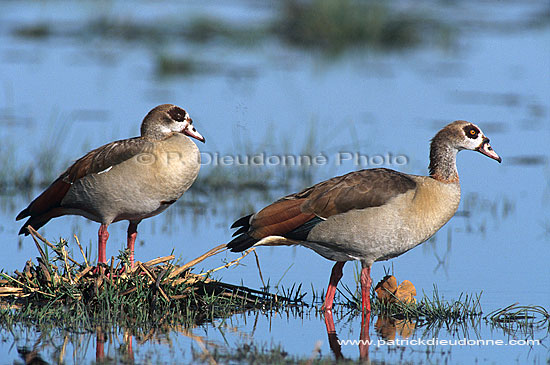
(132, 234)
(102, 244)
(364, 337)
(335, 277)
(332, 335)
(366, 283)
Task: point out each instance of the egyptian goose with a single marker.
(367, 215)
(130, 179)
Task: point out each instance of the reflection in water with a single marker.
(385, 107)
(335, 343)
(125, 350)
(333, 336)
(30, 356)
(117, 344)
(100, 345)
(388, 327)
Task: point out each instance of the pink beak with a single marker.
(486, 149)
(192, 132)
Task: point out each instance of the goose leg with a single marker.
(335, 277)
(103, 236)
(132, 234)
(366, 283)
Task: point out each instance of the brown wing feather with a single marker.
(105, 156)
(93, 162)
(356, 190)
(279, 218)
(295, 215)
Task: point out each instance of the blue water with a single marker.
(73, 95)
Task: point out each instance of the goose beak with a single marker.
(486, 149)
(192, 132)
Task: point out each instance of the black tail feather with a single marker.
(22, 214)
(243, 239)
(242, 222)
(241, 243)
(35, 223)
(301, 232)
(240, 230)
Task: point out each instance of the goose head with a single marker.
(469, 136)
(463, 135)
(166, 119)
(454, 137)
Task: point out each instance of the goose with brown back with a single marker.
(368, 215)
(130, 179)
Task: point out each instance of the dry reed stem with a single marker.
(192, 263)
(81, 250)
(229, 264)
(159, 260)
(82, 273)
(259, 269)
(26, 286)
(66, 263)
(152, 276)
(34, 234)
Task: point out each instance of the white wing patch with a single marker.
(106, 170)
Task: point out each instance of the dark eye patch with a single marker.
(471, 131)
(177, 113)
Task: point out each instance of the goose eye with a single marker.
(177, 114)
(471, 132)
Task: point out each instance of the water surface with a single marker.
(61, 96)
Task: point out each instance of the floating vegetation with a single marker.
(338, 24)
(36, 31)
(72, 302)
(435, 310)
(528, 160)
(520, 318)
(398, 310)
(206, 28)
(167, 65)
(60, 291)
(326, 24)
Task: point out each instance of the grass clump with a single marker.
(203, 29)
(337, 24)
(431, 310)
(517, 318)
(34, 31)
(436, 312)
(330, 25)
(169, 65)
(60, 291)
